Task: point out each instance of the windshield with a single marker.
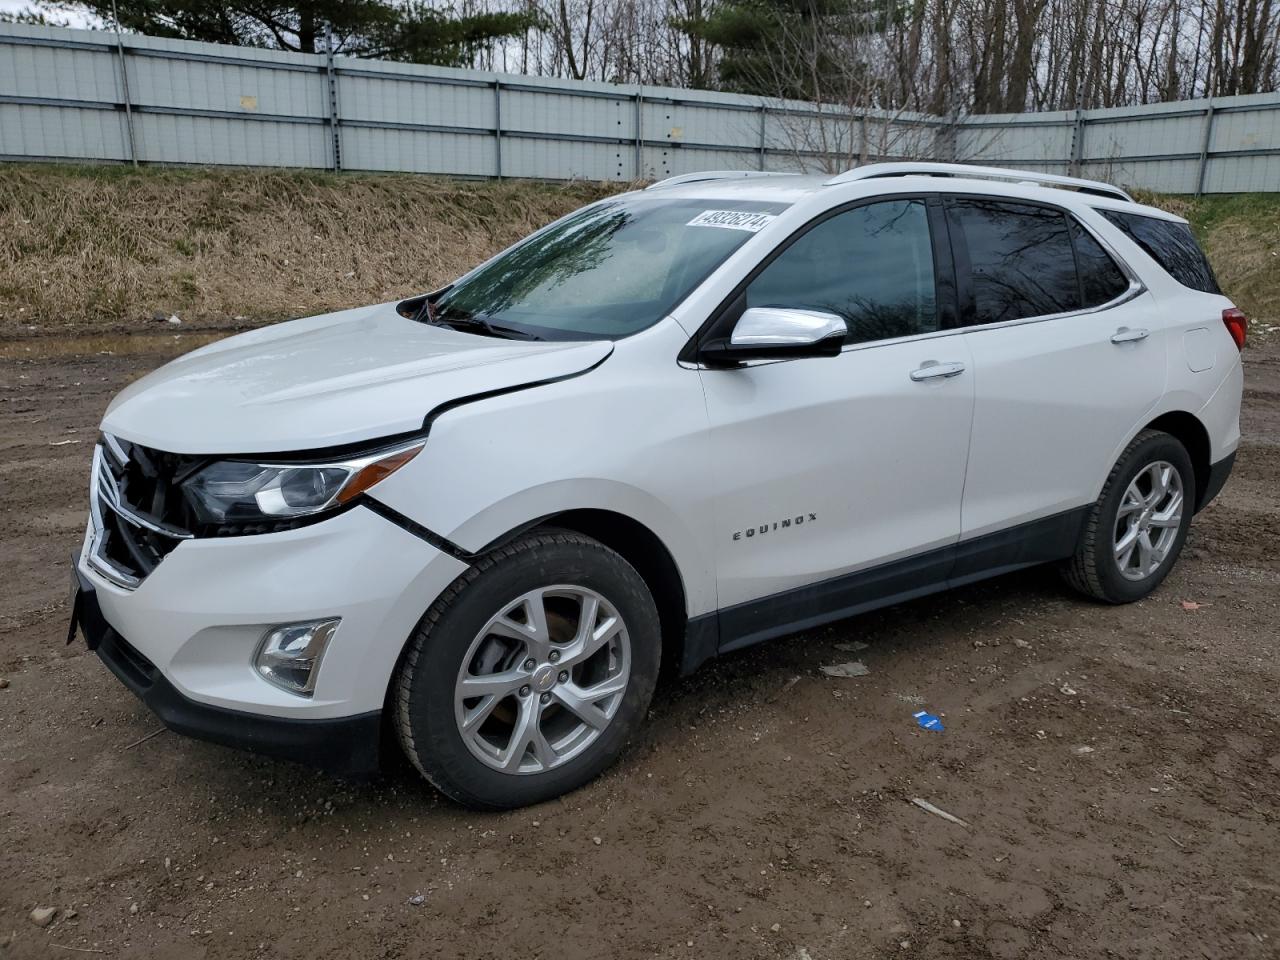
(604, 272)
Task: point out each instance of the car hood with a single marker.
(326, 381)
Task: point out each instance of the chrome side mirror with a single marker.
(776, 333)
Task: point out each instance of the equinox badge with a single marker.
(764, 528)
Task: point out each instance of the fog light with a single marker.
(289, 656)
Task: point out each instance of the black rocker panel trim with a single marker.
(1028, 544)
(1039, 541)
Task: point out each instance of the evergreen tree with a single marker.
(789, 48)
(409, 30)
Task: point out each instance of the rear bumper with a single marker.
(1218, 474)
(344, 745)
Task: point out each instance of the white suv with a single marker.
(674, 423)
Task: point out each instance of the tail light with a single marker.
(1237, 324)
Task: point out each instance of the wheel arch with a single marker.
(644, 550)
(683, 648)
(1187, 429)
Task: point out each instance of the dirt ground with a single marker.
(1118, 769)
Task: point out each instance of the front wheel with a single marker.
(528, 676)
(1138, 525)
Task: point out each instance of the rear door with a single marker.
(1071, 354)
(830, 465)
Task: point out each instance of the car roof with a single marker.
(873, 179)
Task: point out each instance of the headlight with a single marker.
(239, 491)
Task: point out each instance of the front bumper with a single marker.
(184, 640)
(345, 745)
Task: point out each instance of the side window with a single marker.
(872, 265)
(1171, 245)
(1101, 281)
(1020, 259)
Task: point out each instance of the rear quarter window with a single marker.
(1101, 281)
(1171, 245)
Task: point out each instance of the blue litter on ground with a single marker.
(928, 721)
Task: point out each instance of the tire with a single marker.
(485, 629)
(1096, 568)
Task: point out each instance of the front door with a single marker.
(831, 469)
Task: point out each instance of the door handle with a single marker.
(1125, 335)
(933, 370)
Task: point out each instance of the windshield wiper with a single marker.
(478, 323)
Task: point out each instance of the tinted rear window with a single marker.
(1171, 245)
(1021, 261)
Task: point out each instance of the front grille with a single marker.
(140, 513)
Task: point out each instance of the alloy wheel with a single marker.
(542, 679)
(1148, 520)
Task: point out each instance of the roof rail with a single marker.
(912, 169)
(713, 175)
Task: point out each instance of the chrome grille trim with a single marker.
(140, 541)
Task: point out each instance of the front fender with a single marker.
(628, 437)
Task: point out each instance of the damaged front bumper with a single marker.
(185, 640)
(344, 745)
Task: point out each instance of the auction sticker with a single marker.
(733, 220)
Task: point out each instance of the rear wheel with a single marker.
(530, 673)
(1136, 529)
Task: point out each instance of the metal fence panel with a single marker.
(64, 96)
(177, 138)
(1243, 175)
(188, 85)
(60, 73)
(417, 151)
(392, 99)
(1042, 141)
(58, 133)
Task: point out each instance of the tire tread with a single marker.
(426, 625)
(1081, 569)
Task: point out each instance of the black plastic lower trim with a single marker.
(349, 746)
(1039, 541)
(834, 599)
(1218, 474)
(701, 640)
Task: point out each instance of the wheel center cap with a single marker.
(544, 678)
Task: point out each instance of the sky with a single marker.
(74, 19)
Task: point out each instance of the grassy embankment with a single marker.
(96, 250)
(109, 249)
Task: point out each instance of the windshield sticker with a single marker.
(733, 220)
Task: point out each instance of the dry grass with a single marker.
(1241, 234)
(98, 250)
(101, 249)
